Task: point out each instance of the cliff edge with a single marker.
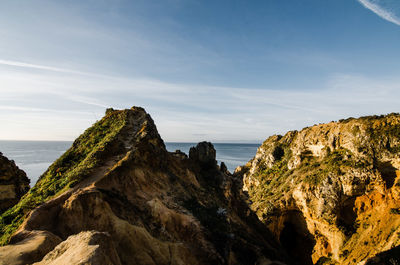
(330, 193)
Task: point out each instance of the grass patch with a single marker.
(73, 166)
(334, 164)
(277, 181)
(386, 129)
(273, 183)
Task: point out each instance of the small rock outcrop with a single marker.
(204, 153)
(13, 183)
(32, 246)
(330, 193)
(117, 196)
(89, 247)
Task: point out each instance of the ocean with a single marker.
(34, 157)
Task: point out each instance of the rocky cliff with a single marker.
(330, 193)
(13, 183)
(117, 196)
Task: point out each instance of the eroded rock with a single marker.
(31, 247)
(342, 177)
(13, 183)
(88, 247)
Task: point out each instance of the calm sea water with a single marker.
(34, 157)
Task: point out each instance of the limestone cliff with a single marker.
(330, 193)
(13, 183)
(117, 196)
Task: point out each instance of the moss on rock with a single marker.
(72, 167)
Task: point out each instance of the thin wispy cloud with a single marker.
(87, 100)
(41, 67)
(182, 111)
(381, 11)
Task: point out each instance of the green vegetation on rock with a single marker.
(335, 163)
(337, 175)
(276, 181)
(73, 166)
(273, 181)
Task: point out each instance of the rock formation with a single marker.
(117, 196)
(330, 193)
(13, 183)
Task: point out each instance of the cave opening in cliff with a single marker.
(297, 240)
(347, 217)
(388, 173)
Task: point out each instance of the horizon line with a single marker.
(172, 142)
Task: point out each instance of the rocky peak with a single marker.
(322, 186)
(13, 183)
(118, 182)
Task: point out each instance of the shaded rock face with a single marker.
(139, 204)
(390, 257)
(204, 153)
(333, 186)
(13, 183)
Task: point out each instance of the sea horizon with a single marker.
(184, 142)
(35, 156)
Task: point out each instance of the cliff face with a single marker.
(118, 197)
(13, 183)
(330, 193)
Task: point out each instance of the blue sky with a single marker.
(205, 70)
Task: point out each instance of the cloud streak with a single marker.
(380, 11)
(59, 107)
(40, 67)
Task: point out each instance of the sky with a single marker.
(221, 71)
